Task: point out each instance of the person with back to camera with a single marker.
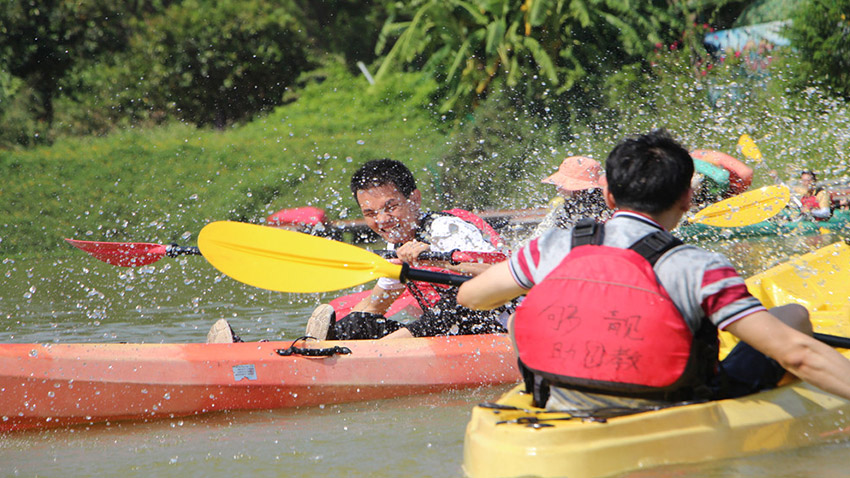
(623, 314)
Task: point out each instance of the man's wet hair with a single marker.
(649, 173)
(383, 171)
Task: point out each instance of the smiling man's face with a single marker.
(391, 215)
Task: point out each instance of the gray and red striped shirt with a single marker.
(700, 283)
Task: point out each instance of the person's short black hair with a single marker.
(649, 173)
(383, 171)
(810, 173)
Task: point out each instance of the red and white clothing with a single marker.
(701, 283)
(446, 233)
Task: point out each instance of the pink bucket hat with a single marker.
(577, 173)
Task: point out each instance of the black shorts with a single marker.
(746, 370)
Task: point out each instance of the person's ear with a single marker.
(415, 197)
(609, 198)
(686, 200)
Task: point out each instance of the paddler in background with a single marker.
(623, 315)
(815, 200)
(579, 182)
(387, 195)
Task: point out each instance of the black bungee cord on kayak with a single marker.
(600, 415)
(308, 352)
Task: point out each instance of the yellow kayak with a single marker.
(512, 438)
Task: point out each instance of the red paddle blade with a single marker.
(124, 254)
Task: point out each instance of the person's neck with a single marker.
(668, 219)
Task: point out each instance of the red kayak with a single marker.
(64, 384)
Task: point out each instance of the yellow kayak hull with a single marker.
(502, 443)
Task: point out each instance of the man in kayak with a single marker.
(387, 195)
(625, 315)
(579, 185)
(816, 201)
(386, 192)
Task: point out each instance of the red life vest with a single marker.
(601, 322)
(427, 294)
(810, 202)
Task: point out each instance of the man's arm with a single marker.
(379, 301)
(800, 354)
(489, 290)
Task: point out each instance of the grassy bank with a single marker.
(163, 184)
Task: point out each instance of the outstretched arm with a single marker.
(490, 289)
(800, 354)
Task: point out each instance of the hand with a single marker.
(409, 251)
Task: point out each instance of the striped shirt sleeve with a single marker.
(724, 297)
(524, 262)
(533, 262)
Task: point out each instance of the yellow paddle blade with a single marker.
(750, 148)
(746, 208)
(288, 261)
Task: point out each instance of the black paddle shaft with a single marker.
(453, 257)
(173, 250)
(834, 340)
(424, 256)
(408, 273)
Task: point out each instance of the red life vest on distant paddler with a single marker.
(601, 322)
(810, 202)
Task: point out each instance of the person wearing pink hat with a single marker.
(577, 173)
(579, 181)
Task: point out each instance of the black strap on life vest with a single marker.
(589, 232)
(651, 247)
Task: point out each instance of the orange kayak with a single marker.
(57, 385)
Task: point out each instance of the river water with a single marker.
(71, 297)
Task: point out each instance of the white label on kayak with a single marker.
(244, 371)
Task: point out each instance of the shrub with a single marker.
(820, 33)
(207, 62)
(497, 158)
(19, 110)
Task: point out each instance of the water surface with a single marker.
(73, 298)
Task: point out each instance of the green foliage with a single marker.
(104, 64)
(42, 39)
(218, 61)
(18, 111)
(710, 103)
(164, 184)
(497, 158)
(543, 50)
(346, 27)
(763, 11)
(550, 79)
(820, 34)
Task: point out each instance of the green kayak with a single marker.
(781, 225)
